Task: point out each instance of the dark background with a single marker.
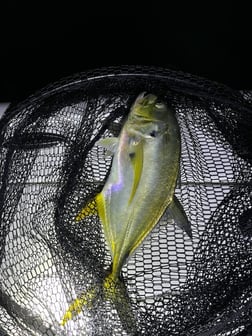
(41, 43)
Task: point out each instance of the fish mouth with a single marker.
(144, 106)
(149, 107)
(146, 98)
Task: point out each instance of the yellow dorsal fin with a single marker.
(136, 156)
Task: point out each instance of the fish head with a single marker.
(150, 117)
(149, 107)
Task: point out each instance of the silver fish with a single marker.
(142, 179)
(141, 183)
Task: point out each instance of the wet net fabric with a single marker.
(51, 167)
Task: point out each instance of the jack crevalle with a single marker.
(139, 188)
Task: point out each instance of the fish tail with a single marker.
(109, 286)
(75, 308)
(86, 299)
(116, 292)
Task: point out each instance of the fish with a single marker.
(140, 187)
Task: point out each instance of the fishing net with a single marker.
(51, 167)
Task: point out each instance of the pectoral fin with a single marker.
(136, 157)
(177, 212)
(110, 144)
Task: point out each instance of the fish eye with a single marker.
(153, 133)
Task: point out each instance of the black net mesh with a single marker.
(50, 167)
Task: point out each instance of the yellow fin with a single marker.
(100, 202)
(86, 299)
(88, 210)
(136, 156)
(109, 286)
(116, 292)
(75, 308)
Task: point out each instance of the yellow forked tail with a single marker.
(75, 308)
(110, 291)
(114, 291)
